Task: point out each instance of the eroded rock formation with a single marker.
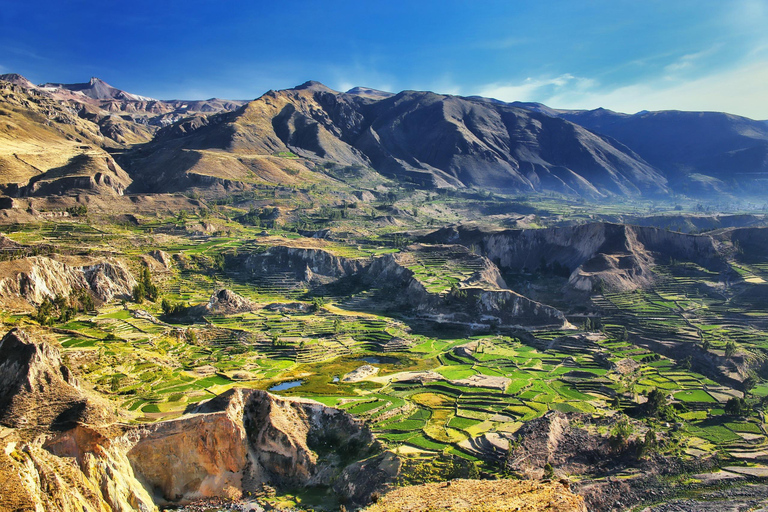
(615, 256)
(480, 298)
(28, 281)
(64, 451)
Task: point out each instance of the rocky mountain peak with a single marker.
(367, 92)
(313, 85)
(98, 89)
(23, 362)
(17, 79)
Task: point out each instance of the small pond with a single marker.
(380, 360)
(286, 385)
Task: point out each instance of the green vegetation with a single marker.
(480, 382)
(145, 289)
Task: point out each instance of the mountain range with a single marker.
(121, 142)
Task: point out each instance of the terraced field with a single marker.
(434, 391)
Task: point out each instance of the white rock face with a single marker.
(360, 373)
(35, 278)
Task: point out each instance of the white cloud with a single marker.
(689, 61)
(358, 74)
(739, 91)
(533, 89)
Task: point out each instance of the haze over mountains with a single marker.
(422, 138)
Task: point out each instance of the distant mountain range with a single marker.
(423, 138)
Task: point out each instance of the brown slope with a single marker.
(430, 139)
(37, 391)
(45, 147)
(494, 145)
(249, 145)
(481, 496)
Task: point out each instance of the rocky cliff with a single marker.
(244, 439)
(477, 295)
(311, 266)
(616, 256)
(64, 451)
(60, 452)
(27, 282)
(37, 390)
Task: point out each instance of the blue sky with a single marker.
(619, 54)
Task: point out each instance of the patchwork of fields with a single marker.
(435, 389)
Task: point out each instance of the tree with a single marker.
(317, 303)
(620, 433)
(737, 407)
(170, 308)
(149, 287)
(457, 292)
(749, 383)
(730, 349)
(44, 312)
(138, 293)
(145, 289)
(649, 445)
(657, 406)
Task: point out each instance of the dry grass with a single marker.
(481, 496)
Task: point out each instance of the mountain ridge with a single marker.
(427, 139)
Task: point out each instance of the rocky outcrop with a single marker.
(64, 451)
(244, 439)
(28, 281)
(360, 480)
(749, 244)
(57, 455)
(201, 455)
(99, 480)
(614, 256)
(563, 441)
(312, 266)
(36, 390)
(161, 257)
(224, 302)
(510, 309)
(480, 298)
